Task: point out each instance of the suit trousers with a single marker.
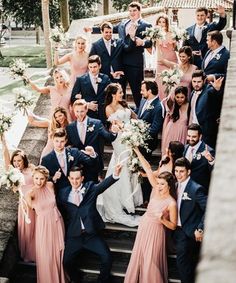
(134, 76)
(187, 250)
(93, 243)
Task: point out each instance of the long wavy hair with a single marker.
(111, 90)
(170, 179)
(188, 51)
(183, 90)
(166, 18)
(54, 124)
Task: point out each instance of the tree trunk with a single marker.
(64, 14)
(37, 34)
(105, 7)
(46, 32)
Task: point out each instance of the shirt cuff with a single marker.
(93, 155)
(115, 177)
(212, 162)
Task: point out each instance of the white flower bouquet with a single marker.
(154, 33)
(179, 34)
(5, 123)
(24, 99)
(171, 78)
(18, 68)
(58, 35)
(12, 179)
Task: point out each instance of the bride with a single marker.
(126, 193)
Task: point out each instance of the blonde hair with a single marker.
(54, 124)
(80, 36)
(64, 75)
(80, 102)
(41, 169)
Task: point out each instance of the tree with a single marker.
(82, 8)
(64, 13)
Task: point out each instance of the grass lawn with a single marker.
(34, 55)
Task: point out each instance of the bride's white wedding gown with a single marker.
(126, 193)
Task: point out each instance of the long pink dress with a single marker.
(49, 236)
(186, 79)
(26, 232)
(148, 263)
(60, 99)
(79, 66)
(174, 131)
(168, 53)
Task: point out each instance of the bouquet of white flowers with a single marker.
(18, 67)
(24, 99)
(58, 35)
(154, 33)
(5, 123)
(179, 34)
(170, 78)
(135, 134)
(12, 179)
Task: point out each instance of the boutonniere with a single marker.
(150, 107)
(217, 56)
(98, 80)
(197, 156)
(70, 157)
(204, 27)
(83, 190)
(185, 196)
(114, 44)
(90, 128)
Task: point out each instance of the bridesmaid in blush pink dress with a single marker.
(78, 59)
(165, 50)
(26, 235)
(176, 120)
(148, 262)
(49, 230)
(59, 120)
(60, 93)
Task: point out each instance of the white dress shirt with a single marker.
(147, 104)
(211, 55)
(192, 150)
(193, 115)
(65, 159)
(79, 126)
(108, 45)
(181, 189)
(70, 199)
(94, 82)
(198, 32)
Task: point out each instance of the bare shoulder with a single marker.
(109, 110)
(172, 203)
(50, 185)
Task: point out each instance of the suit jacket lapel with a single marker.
(100, 84)
(141, 107)
(89, 130)
(90, 85)
(55, 163)
(75, 131)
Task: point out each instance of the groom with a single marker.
(83, 221)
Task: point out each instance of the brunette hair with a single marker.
(79, 168)
(188, 51)
(183, 162)
(110, 90)
(59, 133)
(151, 85)
(106, 25)
(21, 153)
(94, 59)
(202, 9)
(165, 17)
(177, 150)
(135, 4)
(170, 179)
(195, 127)
(54, 124)
(216, 35)
(184, 91)
(199, 73)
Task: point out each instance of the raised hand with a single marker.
(57, 175)
(217, 83)
(221, 10)
(87, 29)
(206, 153)
(89, 150)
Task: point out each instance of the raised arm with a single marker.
(62, 60)
(44, 90)
(6, 154)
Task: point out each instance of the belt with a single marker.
(83, 231)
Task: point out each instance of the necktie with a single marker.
(191, 153)
(76, 197)
(108, 46)
(61, 161)
(208, 58)
(82, 133)
(198, 33)
(145, 106)
(95, 84)
(179, 196)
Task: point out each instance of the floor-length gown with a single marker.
(26, 231)
(148, 262)
(49, 234)
(168, 53)
(79, 66)
(126, 192)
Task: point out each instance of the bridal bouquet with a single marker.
(170, 78)
(154, 33)
(135, 134)
(18, 67)
(58, 35)
(12, 179)
(24, 99)
(179, 34)
(5, 123)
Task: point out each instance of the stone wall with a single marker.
(219, 246)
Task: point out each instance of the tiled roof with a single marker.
(193, 4)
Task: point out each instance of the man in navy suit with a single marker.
(83, 221)
(191, 202)
(200, 155)
(91, 87)
(61, 159)
(133, 60)
(198, 33)
(216, 59)
(110, 51)
(87, 131)
(150, 111)
(205, 105)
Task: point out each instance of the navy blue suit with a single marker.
(74, 158)
(84, 87)
(76, 238)
(200, 167)
(218, 64)
(207, 109)
(133, 60)
(96, 132)
(192, 212)
(202, 45)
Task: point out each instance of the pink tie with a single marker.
(82, 133)
(76, 198)
(62, 162)
(191, 154)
